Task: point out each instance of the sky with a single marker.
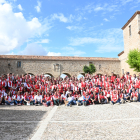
(85, 28)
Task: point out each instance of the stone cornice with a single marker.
(56, 58)
(137, 12)
(120, 53)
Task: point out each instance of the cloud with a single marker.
(110, 40)
(20, 7)
(105, 19)
(2, 1)
(74, 28)
(108, 48)
(38, 7)
(70, 51)
(84, 40)
(53, 54)
(43, 41)
(68, 48)
(124, 2)
(34, 49)
(104, 7)
(15, 29)
(37, 49)
(98, 8)
(62, 18)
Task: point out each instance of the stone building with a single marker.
(131, 34)
(57, 65)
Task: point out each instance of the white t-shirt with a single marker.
(70, 98)
(38, 98)
(64, 96)
(80, 98)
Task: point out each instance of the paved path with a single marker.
(99, 122)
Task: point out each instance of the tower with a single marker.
(131, 34)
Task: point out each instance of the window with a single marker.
(18, 64)
(139, 22)
(99, 67)
(130, 30)
(57, 67)
(122, 71)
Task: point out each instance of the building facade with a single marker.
(131, 34)
(55, 66)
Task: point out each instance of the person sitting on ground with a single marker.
(63, 98)
(43, 96)
(71, 100)
(134, 96)
(32, 98)
(18, 98)
(126, 96)
(27, 99)
(9, 100)
(86, 99)
(56, 99)
(48, 100)
(80, 100)
(38, 99)
(1, 97)
(121, 97)
(102, 98)
(114, 98)
(94, 98)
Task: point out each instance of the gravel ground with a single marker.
(99, 122)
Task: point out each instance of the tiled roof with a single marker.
(137, 12)
(120, 53)
(31, 57)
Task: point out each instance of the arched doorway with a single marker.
(80, 75)
(99, 74)
(48, 75)
(64, 75)
(31, 74)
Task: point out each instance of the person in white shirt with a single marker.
(63, 97)
(38, 99)
(80, 100)
(71, 100)
(68, 92)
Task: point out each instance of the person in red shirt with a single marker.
(134, 96)
(114, 98)
(94, 98)
(102, 99)
(27, 99)
(56, 99)
(48, 100)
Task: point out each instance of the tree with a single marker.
(134, 59)
(91, 69)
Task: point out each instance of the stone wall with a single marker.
(68, 67)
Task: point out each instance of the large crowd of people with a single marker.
(88, 90)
